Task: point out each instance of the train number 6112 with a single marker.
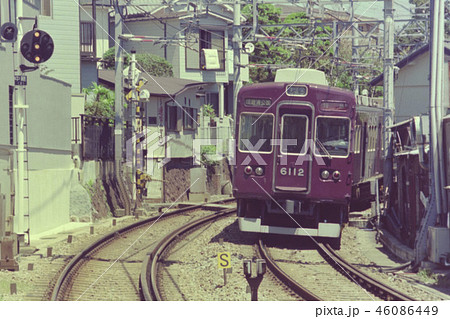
(292, 171)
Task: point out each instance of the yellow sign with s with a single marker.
(224, 260)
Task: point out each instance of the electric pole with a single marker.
(388, 89)
(237, 47)
(132, 80)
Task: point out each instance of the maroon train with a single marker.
(304, 151)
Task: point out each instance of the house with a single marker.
(180, 34)
(412, 84)
(94, 23)
(168, 124)
(49, 169)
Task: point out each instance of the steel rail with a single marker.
(284, 277)
(149, 273)
(373, 285)
(63, 280)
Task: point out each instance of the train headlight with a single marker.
(336, 175)
(248, 170)
(325, 174)
(259, 171)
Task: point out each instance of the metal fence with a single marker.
(97, 138)
(76, 130)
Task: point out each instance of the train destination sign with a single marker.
(258, 102)
(334, 106)
(297, 90)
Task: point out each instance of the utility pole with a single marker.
(237, 47)
(354, 49)
(435, 212)
(388, 89)
(118, 105)
(132, 80)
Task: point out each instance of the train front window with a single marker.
(332, 136)
(294, 128)
(255, 132)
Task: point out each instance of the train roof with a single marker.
(282, 85)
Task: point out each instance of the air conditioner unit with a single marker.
(438, 245)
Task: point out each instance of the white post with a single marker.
(388, 89)
(132, 78)
(221, 101)
(237, 46)
(20, 105)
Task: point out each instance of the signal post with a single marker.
(35, 46)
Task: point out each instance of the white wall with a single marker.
(411, 89)
(49, 141)
(64, 28)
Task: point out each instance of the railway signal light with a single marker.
(8, 32)
(37, 46)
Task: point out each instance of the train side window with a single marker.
(256, 132)
(357, 142)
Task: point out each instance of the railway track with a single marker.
(109, 268)
(150, 275)
(324, 284)
(376, 287)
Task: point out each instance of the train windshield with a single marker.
(332, 137)
(294, 128)
(255, 132)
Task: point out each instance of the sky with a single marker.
(375, 9)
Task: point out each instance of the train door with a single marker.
(293, 155)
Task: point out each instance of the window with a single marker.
(172, 117)
(357, 142)
(196, 40)
(87, 37)
(294, 128)
(190, 118)
(255, 132)
(332, 136)
(46, 8)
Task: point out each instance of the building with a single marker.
(178, 33)
(50, 91)
(412, 84)
(170, 126)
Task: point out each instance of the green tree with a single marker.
(266, 52)
(99, 101)
(150, 63)
(317, 54)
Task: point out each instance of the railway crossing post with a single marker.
(254, 282)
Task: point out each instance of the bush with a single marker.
(150, 63)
